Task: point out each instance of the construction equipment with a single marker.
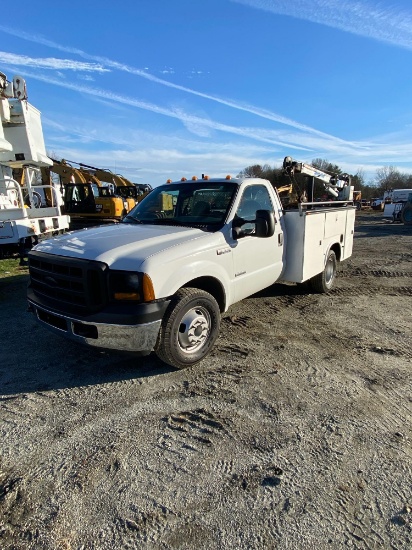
(29, 208)
(286, 194)
(337, 185)
(92, 194)
(120, 185)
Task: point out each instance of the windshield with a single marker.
(191, 203)
(127, 191)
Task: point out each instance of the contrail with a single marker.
(50, 63)
(143, 74)
(177, 114)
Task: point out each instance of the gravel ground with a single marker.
(294, 434)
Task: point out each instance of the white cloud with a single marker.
(50, 63)
(137, 164)
(395, 148)
(364, 18)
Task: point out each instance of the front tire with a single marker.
(323, 282)
(189, 328)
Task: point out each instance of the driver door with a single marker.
(258, 262)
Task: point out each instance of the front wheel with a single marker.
(324, 281)
(189, 328)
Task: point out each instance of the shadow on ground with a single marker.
(34, 359)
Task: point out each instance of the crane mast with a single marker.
(337, 185)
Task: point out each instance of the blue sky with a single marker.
(160, 89)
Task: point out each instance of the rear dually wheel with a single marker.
(324, 281)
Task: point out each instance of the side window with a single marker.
(255, 197)
(263, 198)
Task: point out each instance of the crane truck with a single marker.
(161, 278)
(28, 207)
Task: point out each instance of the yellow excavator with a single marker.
(286, 194)
(120, 186)
(92, 194)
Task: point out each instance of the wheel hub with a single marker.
(194, 329)
(329, 271)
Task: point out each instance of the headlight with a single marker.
(130, 286)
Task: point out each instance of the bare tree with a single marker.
(389, 177)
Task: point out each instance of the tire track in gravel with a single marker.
(71, 465)
(144, 527)
(191, 431)
(301, 301)
(382, 388)
(382, 392)
(361, 272)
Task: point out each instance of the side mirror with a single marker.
(265, 224)
(237, 230)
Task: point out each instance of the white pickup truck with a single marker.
(161, 278)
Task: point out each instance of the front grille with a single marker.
(69, 285)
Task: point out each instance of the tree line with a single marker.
(387, 177)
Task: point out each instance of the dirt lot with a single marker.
(295, 434)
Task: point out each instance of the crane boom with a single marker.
(334, 184)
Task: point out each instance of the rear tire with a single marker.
(323, 282)
(406, 214)
(189, 328)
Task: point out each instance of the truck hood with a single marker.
(112, 243)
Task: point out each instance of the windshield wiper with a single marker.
(165, 221)
(131, 218)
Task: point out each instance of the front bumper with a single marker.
(139, 337)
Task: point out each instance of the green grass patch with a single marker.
(10, 267)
